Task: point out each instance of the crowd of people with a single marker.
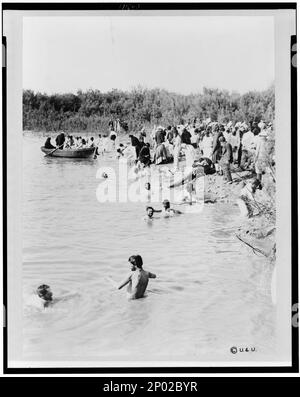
(207, 148)
(103, 143)
(220, 146)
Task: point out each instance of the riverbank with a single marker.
(259, 231)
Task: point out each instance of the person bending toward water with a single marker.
(45, 294)
(137, 281)
(246, 201)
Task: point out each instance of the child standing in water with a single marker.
(138, 280)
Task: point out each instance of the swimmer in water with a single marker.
(138, 280)
(150, 212)
(167, 210)
(44, 292)
(46, 295)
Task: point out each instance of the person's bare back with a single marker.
(138, 280)
(138, 283)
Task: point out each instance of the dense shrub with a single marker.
(91, 110)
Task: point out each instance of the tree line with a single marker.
(91, 110)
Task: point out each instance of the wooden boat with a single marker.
(70, 153)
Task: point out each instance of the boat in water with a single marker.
(82, 153)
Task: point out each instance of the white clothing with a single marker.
(207, 145)
(247, 140)
(189, 156)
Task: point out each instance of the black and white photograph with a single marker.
(149, 188)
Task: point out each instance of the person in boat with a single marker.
(48, 144)
(138, 279)
(91, 142)
(76, 142)
(72, 141)
(67, 143)
(79, 142)
(60, 140)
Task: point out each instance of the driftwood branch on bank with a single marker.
(254, 249)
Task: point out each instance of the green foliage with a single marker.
(91, 110)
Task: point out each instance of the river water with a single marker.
(211, 293)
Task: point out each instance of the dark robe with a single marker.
(60, 139)
(48, 144)
(137, 144)
(216, 147)
(186, 137)
(144, 155)
(226, 153)
(159, 137)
